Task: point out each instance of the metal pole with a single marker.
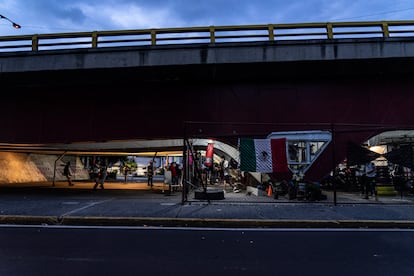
(184, 172)
(197, 173)
(185, 167)
(54, 169)
(333, 163)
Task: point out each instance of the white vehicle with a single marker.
(141, 170)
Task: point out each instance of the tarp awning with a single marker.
(359, 155)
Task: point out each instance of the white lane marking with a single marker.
(70, 203)
(85, 207)
(168, 204)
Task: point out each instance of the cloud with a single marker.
(128, 16)
(43, 16)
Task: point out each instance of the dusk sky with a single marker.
(54, 16)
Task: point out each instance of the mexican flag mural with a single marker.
(263, 155)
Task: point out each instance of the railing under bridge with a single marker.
(208, 34)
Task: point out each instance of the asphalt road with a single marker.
(61, 250)
(133, 207)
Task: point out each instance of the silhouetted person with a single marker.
(67, 173)
(224, 172)
(102, 177)
(95, 175)
(150, 173)
(126, 171)
(174, 179)
(370, 174)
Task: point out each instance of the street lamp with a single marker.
(15, 25)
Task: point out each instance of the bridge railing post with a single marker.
(329, 30)
(212, 34)
(95, 39)
(153, 37)
(385, 30)
(271, 30)
(35, 43)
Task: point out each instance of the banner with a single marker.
(209, 155)
(263, 155)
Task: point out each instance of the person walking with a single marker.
(150, 173)
(67, 173)
(95, 175)
(103, 172)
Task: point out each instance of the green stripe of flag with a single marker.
(247, 155)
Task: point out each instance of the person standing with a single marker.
(224, 172)
(179, 170)
(150, 173)
(103, 172)
(370, 173)
(181, 176)
(96, 174)
(67, 173)
(126, 171)
(173, 169)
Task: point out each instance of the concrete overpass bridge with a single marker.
(223, 82)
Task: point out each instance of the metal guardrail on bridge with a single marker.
(209, 34)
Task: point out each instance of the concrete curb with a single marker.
(202, 223)
(28, 220)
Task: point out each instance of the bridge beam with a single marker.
(208, 54)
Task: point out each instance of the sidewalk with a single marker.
(134, 204)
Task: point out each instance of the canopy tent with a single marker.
(170, 147)
(392, 137)
(402, 156)
(359, 155)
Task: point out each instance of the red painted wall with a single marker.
(128, 110)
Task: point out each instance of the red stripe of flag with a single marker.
(279, 155)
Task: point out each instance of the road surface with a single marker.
(63, 250)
